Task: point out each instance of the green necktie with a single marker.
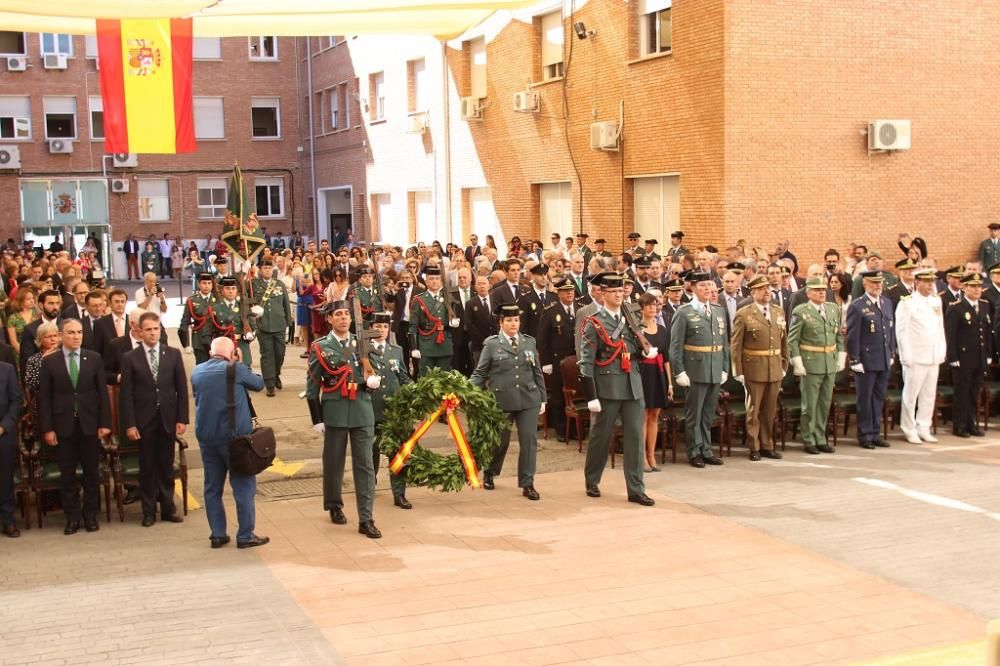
(74, 369)
(154, 363)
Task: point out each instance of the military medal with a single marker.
(871, 327)
(968, 316)
(558, 318)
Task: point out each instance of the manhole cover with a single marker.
(291, 488)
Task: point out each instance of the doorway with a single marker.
(336, 210)
(73, 238)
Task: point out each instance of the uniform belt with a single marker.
(762, 352)
(708, 349)
(814, 348)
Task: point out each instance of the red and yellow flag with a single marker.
(146, 85)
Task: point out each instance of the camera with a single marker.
(159, 289)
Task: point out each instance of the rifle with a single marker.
(633, 326)
(364, 337)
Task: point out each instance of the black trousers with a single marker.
(84, 451)
(968, 383)
(403, 340)
(7, 461)
(156, 469)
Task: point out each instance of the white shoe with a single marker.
(912, 438)
(927, 437)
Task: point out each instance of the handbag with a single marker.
(250, 454)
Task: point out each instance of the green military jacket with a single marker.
(989, 253)
(602, 363)
(586, 252)
(514, 378)
(194, 317)
(369, 300)
(391, 367)
(273, 298)
(699, 345)
(428, 318)
(324, 383)
(225, 316)
(815, 340)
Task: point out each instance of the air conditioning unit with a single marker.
(604, 135)
(471, 110)
(60, 146)
(10, 157)
(17, 64)
(122, 160)
(417, 123)
(889, 135)
(526, 102)
(119, 185)
(54, 61)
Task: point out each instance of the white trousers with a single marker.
(919, 391)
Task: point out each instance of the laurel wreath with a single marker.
(414, 402)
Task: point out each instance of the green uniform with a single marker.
(370, 302)
(586, 252)
(391, 367)
(272, 326)
(195, 319)
(429, 331)
(337, 381)
(699, 346)
(989, 253)
(227, 321)
(513, 374)
(818, 342)
(606, 378)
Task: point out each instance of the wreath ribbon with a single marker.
(449, 404)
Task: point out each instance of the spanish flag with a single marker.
(146, 85)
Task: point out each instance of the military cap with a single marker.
(697, 276)
(381, 318)
(818, 283)
(737, 267)
(609, 279)
(652, 241)
(955, 272)
(927, 274)
(539, 269)
(874, 253)
(267, 262)
(758, 281)
(972, 280)
(785, 270)
(220, 260)
(205, 276)
(364, 270)
(228, 281)
(600, 241)
(564, 284)
(507, 310)
(627, 279)
(582, 235)
(677, 234)
(872, 276)
(993, 226)
(995, 268)
(642, 261)
(633, 235)
(432, 270)
(333, 306)
(673, 285)
(905, 264)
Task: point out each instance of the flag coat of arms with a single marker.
(146, 85)
(241, 231)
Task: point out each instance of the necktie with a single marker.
(154, 363)
(486, 304)
(465, 296)
(74, 369)
(822, 312)
(513, 291)
(541, 297)
(569, 310)
(617, 319)
(119, 326)
(513, 344)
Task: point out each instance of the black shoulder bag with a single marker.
(251, 454)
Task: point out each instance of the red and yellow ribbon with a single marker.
(449, 404)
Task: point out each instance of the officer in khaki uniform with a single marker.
(341, 408)
(760, 359)
(273, 312)
(699, 357)
(226, 318)
(194, 327)
(509, 364)
(387, 360)
(816, 348)
(430, 325)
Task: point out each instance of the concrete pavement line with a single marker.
(179, 491)
(966, 448)
(929, 498)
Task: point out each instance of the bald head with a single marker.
(222, 348)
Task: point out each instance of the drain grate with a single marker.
(290, 488)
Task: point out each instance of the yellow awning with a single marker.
(234, 18)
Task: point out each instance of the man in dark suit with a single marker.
(11, 403)
(556, 341)
(509, 291)
(406, 289)
(779, 294)
(93, 312)
(154, 410)
(473, 250)
(968, 334)
(535, 300)
(479, 321)
(461, 357)
(114, 324)
(77, 307)
(73, 406)
(578, 275)
(131, 249)
(50, 301)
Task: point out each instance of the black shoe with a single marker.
(812, 450)
(531, 493)
(277, 383)
(755, 456)
(369, 530)
(173, 518)
(713, 460)
(697, 461)
(10, 530)
(148, 521)
(825, 448)
(881, 443)
(772, 454)
(304, 354)
(252, 543)
(72, 527)
(337, 516)
(402, 502)
(132, 496)
(91, 524)
(270, 391)
(867, 445)
(977, 432)
(488, 481)
(643, 499)
(218, 542)
(593, 491)
(962, 434)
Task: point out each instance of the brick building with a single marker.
(246, 109)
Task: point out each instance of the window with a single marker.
(265, 118)
(209, 119)
(384, 225)
(60, 117)
(206, 48)
(418, 87)
(56, 43)
(330, 41)
(376, 91)
(264, 47)
(211, 198)
(96, 117)
(90, 46)
(654, 26)
(552, 46)
(270, 197)
(477, 67)
(15, 117)
(154, 200)
(12, 43)
(555, 208)
(656, 205)
(333, 96)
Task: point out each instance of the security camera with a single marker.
(581, 31)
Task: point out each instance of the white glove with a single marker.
(256, 311)
(739, 378)
(858, 368)
(989, 361)
(798, 367)
(249, 336)
(841, 361)
(891, 361)
(547, 369)
(653, 351)
(415, 353)
(954, 364)
(455, 323)
(594, 405)
(541, 409)
(188, 350)
(319, 428)
(725, 376)
(373, 382)
(683, 380)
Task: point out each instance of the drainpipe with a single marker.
(447, 138)
(312, 139)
